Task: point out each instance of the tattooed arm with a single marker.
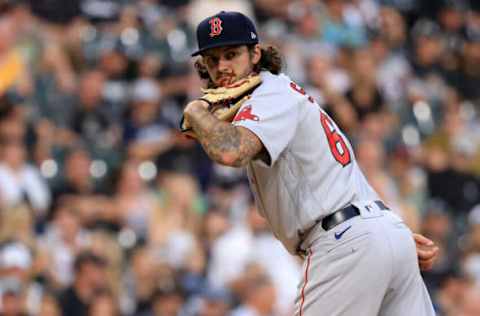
(224, 143)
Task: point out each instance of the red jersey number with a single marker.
(338, 147)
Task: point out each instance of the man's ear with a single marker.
(201, 68)
(256, 54)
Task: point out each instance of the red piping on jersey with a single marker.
(306, 280)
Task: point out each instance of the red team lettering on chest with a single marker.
(300, 90)
(215, 26)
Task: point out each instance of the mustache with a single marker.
(226, 75)
(225, 78)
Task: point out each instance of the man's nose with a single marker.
(223, 64)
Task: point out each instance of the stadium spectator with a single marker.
(89, 279)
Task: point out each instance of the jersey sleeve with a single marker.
(272, 118)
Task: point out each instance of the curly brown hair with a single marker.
(270, 60)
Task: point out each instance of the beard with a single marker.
(226, 79)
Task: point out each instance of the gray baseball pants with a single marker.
(365, 266)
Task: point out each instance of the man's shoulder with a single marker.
(68, 294)
(70, 303)
(268, 77)
(274, 84)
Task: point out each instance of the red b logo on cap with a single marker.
(215, 26)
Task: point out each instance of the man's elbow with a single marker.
(234, 159)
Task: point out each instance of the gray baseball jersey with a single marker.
(312, 171)
(366, 265)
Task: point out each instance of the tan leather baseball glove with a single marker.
(224, 102)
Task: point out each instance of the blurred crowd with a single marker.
(106, 209)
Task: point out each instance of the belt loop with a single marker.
(302, 253)
(381, 205)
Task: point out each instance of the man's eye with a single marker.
(230, 55)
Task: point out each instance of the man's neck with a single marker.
(83, 291)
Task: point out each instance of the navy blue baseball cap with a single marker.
(225, 29)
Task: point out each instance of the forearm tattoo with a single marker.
(222, 141)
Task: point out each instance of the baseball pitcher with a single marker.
(360, 258)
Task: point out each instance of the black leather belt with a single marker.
(346, 213)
